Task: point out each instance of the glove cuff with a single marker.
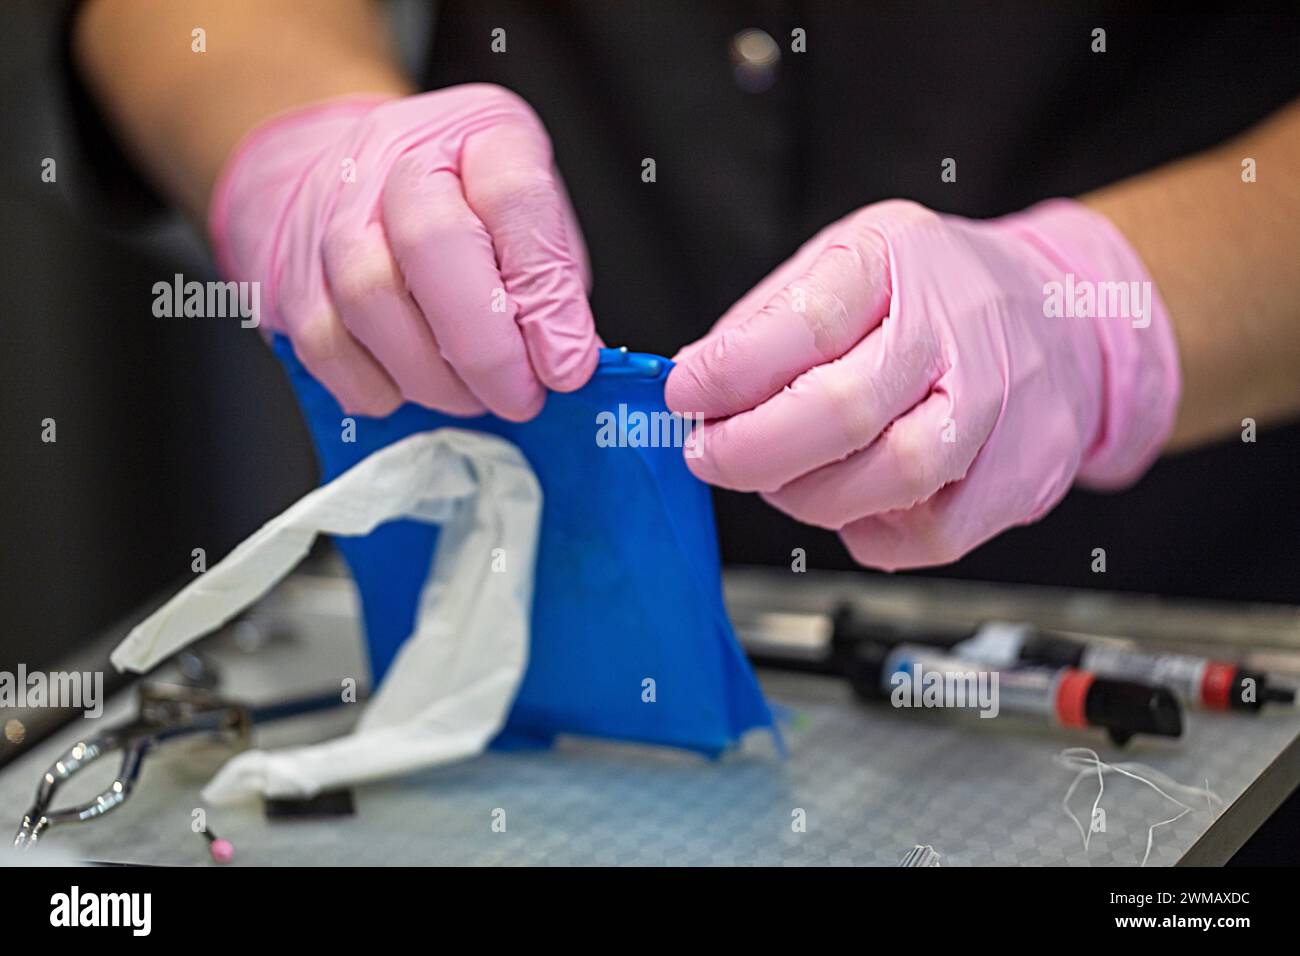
(1140, 368)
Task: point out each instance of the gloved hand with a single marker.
(920, 383)
(418, 248)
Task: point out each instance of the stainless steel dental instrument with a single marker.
(166, 711)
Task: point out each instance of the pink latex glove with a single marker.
(900, 380)
(418, 248)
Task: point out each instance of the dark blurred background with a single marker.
(173, 434)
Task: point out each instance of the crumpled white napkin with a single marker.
(451, 686)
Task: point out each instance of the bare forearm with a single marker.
(1225, 255)
(181, 112)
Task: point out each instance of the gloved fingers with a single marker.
(374, 304)
(817, 317)
(447, 260)
(920, 453)
(511, 186)
(828, 413)
(955, 520)
(896, 541)
(330, 352)
(760, 295)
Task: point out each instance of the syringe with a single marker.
(1201, 681)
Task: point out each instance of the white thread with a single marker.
(1085, 760)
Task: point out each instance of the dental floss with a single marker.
(1085, 760)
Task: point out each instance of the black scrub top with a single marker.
(882, 94)
(752, 161)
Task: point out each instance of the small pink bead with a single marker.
(223, 851)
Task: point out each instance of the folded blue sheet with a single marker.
(630, 639)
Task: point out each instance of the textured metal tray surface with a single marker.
(868, 782)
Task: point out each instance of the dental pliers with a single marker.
(166, 711)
